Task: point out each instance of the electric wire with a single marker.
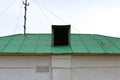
(7, 8)
(51, 12)
(18, 18)
(38, 2)
(42, 11)
(76, 29)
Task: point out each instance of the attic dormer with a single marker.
(61, 35)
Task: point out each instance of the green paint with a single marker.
(42, 44)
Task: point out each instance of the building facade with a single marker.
(33, 57)
(60, 67)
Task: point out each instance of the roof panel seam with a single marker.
(99, 43)
(71, 49)
(21, 44)
(113, 44)
(37, 43)
(7, 44)
(84, 44)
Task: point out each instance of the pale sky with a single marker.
(85, 16)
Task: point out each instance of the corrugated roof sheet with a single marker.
(41, 44)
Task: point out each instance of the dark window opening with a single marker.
(61, 35)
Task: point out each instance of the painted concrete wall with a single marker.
(59, 67)
(24, 67)
(96, 68)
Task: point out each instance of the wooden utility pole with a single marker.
(25, 3)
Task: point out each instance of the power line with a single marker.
(18, 18)
(76, 29)
(7, 8)
(43, 11)
(37, 2)
(52, 12)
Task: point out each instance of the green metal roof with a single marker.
(41, 44)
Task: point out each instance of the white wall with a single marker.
(25, 68)
(86, 67)
(96, 67)
(59, 67)
(24, 61)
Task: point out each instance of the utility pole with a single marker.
(25, 3)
